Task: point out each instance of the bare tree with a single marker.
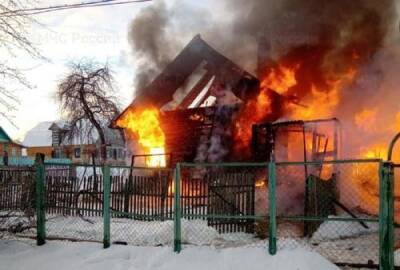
(14, 40)
(87, 98)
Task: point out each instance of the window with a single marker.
(77, 152)
(14, 151)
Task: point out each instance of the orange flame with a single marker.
(145, 126)
(260, 183)
(378, 150)
(313, 109)
(396, 127)
(253, 112)
(280, 79)
(366, 119)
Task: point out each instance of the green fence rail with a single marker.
(224, 204)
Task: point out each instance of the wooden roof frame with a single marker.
(161, 90)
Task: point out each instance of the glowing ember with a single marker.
(145, 127)
(260, 183)
(171, 189)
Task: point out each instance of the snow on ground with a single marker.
(89, 171)
(195, 232)
(397, 257)
(333, 229)
(21, 255)
(134, 232)
(139, 233)
(336, 241)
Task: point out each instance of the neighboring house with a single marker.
(13, 148)
(51, 139)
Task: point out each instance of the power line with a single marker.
(40, 10)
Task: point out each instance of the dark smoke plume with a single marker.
(149, 37)
(236, 28)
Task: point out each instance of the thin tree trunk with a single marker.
(92, 119)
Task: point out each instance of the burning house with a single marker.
(205, 108)
(311, 95)
(196, 110)
(232, 158)
(186, 105)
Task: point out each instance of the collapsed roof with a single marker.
(187, 82)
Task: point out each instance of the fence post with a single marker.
(106, 206)
(177, 209)
(40, 205)
(386, 217)
(272, 207)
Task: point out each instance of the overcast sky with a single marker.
(98, 33)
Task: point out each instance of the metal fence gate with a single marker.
(231, 194)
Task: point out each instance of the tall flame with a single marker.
(311, 85)
(280, 79)
(145, 126)
(366, 119)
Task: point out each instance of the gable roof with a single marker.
(91, 136)
(39, 135)
(4, 137)
(59, 125)
(197, 53)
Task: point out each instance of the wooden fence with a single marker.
(142, 197)
(145, 196)
(17, 189)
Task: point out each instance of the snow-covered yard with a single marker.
(22, 255)
(337, 241)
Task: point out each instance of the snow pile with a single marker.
(134, 232)
(84, 256)
(332, 229)
(139, 233)
(397, 257)
(158, 233)
(15, 222)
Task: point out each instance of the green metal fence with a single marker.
(337, 211)
(141, 204)
(74, 202)
(229, 210)
(342, 209)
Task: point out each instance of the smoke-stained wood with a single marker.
(183, 129)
